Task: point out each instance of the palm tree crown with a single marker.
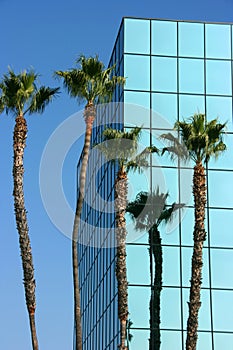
(20, 94)
(203, 139)
(91, 82)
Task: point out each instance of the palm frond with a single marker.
(41, 99)
(90, 81)
(203, 139)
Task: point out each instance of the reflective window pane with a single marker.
(137, 72)
(222, 340)
(137, 36)
(187, 225)
(171, 266)
(167, 181)
(218, 41)
(139, 299)
(191, 75)
(191, 104)
(136, 254)
(220, 186)
(164, 108)
(221, 267)
(164, 74)
(168, 339)
(191, 39)
(220, 107)
(137, 108)
(222, 310)
(186, 184)
(140, 338)
(170, 301)
(164, 38)
(221, 235)
(218, 77)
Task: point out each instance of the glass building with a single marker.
(173, 69)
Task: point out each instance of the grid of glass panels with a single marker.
(173, 69)
(97, 280)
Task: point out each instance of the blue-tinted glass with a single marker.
(136, 254)
(191, 75)
(164, 74)
(140, 338)
(164, 108)
(138, 299)
(218, 77)
(137, 108)
(165, 159)
(191, 39)
(186, 183)
(204, 313)
(164, 38)
(221, 235)
(221, 267)
(137, 72)
(222, 341)
(138, 182)
(220, 187)
(170, 300)
(186, 266)
(218, 41)
(187, 225)
(135, 236)
(225, 160)
(168, 339)
(222, 311)
(167, 181)
(137, 36)
(191, 104)
(171, 266)
(220, 107)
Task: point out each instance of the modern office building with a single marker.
(173, 69)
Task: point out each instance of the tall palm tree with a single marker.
(149, 210)
(20, 95)
(203, 140)
(92, 83)
(123, 149)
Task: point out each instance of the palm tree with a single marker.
(203, 140)
(122, 147)
(148, 211)
(91, 83)
(19, 95)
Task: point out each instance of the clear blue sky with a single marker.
(49, 35)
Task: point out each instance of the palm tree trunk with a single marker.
(199, 236)
(121, 190)
(156, 250)
(19, 144)
(89, 116)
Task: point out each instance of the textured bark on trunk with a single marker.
(89, 117)
(121, 190)
(155, 301)
(199, 236)
(19, 144)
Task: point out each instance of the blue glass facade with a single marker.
(173, 69)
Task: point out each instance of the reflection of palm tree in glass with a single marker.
(121, 147)
(149, 211)
(203, 140)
